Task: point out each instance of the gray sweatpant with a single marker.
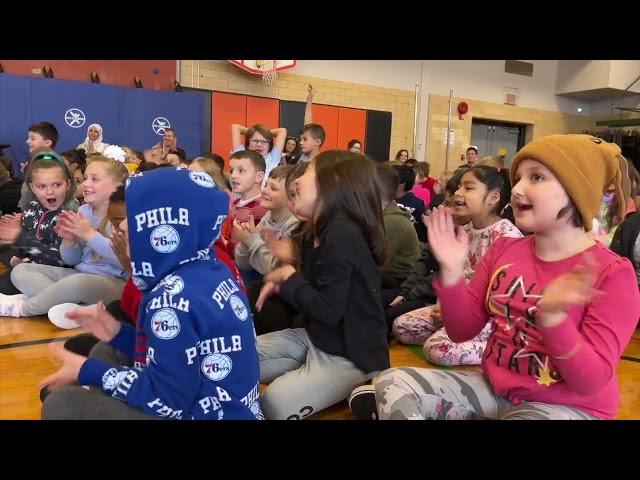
(47, 286)
(427, 394)
(303, 379)
(80, 403)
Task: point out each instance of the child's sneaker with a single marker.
(10, 305)
(81, 344)
(57, 315)
(362, 403)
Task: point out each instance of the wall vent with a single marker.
(518, 68)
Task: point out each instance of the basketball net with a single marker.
(268, 68)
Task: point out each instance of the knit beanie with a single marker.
(585, 166)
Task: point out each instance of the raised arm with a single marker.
(307, 109)
(279, 138)
(237, 131)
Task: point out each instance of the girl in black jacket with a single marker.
(31, 233)
(343, 341)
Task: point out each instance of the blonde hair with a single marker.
(492, 161)
(422, 169)
(118, 173)
(213, 169)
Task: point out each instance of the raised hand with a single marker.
(397, 301)
(239, 233)
(9, 228)
(280, 274)
(251, 226)
(120, 247)
(77, 224)
(282, 249)
(97, 320)
(573, 288)
(268, 289)
(64, 233)
(449, 244)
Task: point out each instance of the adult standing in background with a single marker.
(291, 153)
(472, 156)
(402, 156)
(169, 141)
(355, 146)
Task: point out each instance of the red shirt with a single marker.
(429, 183)
(242, 214)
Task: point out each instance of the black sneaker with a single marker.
(81, 344)
(43, 393)
(362, 403)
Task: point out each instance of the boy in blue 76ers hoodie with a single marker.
(201, 360)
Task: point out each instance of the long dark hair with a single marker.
(296, 151)
(494, 179)
(301, 234)
(77, 156)
(348, 187)
(400, 153)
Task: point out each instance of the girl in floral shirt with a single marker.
(483, 194)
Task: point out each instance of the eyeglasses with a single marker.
(259, 142)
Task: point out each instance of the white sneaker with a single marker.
(11, 308)
(12, 298)
(57, 315)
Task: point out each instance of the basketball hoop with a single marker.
(267, 68)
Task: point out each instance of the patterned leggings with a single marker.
(423, 394)
(419, 328)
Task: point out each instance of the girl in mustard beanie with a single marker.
(562, 306)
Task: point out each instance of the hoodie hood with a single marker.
(174, 215)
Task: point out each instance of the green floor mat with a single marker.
(418, 352)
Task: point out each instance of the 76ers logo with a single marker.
(140, 283)
(173, 284)
(112, 378)
(165, 324)
(216, 366)
(237, 305)
(203, 179)
(165, 239)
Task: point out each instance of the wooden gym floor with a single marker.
(25, 360)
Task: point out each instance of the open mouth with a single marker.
(52, 201)
(523, 207)
(459, 203)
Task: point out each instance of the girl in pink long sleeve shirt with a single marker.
(562, 306)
